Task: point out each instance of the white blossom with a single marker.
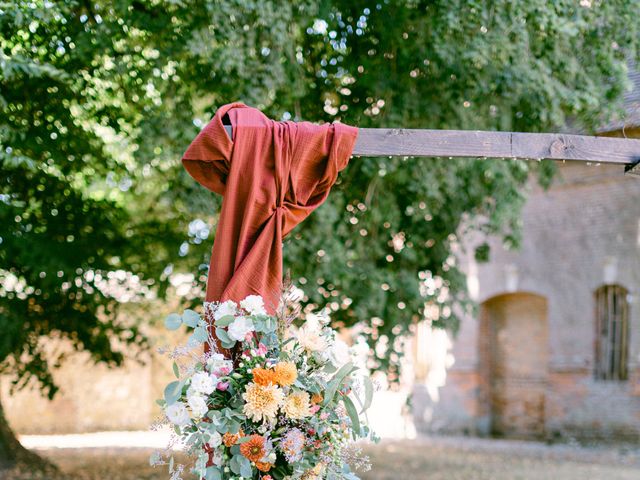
(254, 305)
(177, 413)
(310, 335)
(239, 328)
(198, 405)
(225, 308)
(339, 353)
(202, 382)
(218, 365)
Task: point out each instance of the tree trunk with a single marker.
(14, 457)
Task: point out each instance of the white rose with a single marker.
(214, 361)
(339, 353)
(239, 328)
(225, 308)
(198, 405)
(177, 413)
(254, 305)
(215, 440)
(202, 382)
(310, 336)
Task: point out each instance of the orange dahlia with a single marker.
(230, 439)
(286, 373)
(263, 376)
(253, 448)
(263, 466)
(316, 398)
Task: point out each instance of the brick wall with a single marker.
(582, 233)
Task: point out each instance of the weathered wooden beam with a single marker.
(633, 168)
(472, 143)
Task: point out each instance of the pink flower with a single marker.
(314, 408)
(324, 416)
(262, 350)
(226, 370)
(222, 386)
(248, 336)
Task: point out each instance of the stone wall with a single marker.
(91, 397)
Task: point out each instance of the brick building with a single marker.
(555, 348)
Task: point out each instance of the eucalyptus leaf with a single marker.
(222, 335)
(245, 467)
(234, 464)
(335, 382)
(368, 393)
(190, 318)
(201, 334)
(176, 370)
(172, 392)
(233, 426)
(352, 412)
(270, 324)
(225, 321)
(173, 321)
(213, 473)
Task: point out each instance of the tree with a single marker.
(100, 99)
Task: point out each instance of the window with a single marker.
(612, 332)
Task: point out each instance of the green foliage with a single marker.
(98, 101)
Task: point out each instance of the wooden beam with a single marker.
(633, 168)
(473, 143)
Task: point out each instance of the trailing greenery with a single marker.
(99, 100)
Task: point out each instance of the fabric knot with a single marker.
(270, 167)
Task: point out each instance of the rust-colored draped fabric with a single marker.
(272, 175)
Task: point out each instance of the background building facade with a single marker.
(555, 348)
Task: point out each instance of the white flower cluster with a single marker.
(241, 326)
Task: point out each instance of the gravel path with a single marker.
(439, 458)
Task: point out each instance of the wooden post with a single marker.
(474, 143)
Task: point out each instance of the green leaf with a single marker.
(172, 392)
(270, 324)
(335, 382)
(213, 473)
(233, 426)
(259, 325)
(234, 464)
(176, 370)
(352, 412)
(245, 467)
(173, 321)
(368, 393)
(222, 335)
(190, 318)
(201, 334)
(225, 321)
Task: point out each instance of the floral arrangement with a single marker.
(283, 406)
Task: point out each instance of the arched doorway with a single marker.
(514, 350)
